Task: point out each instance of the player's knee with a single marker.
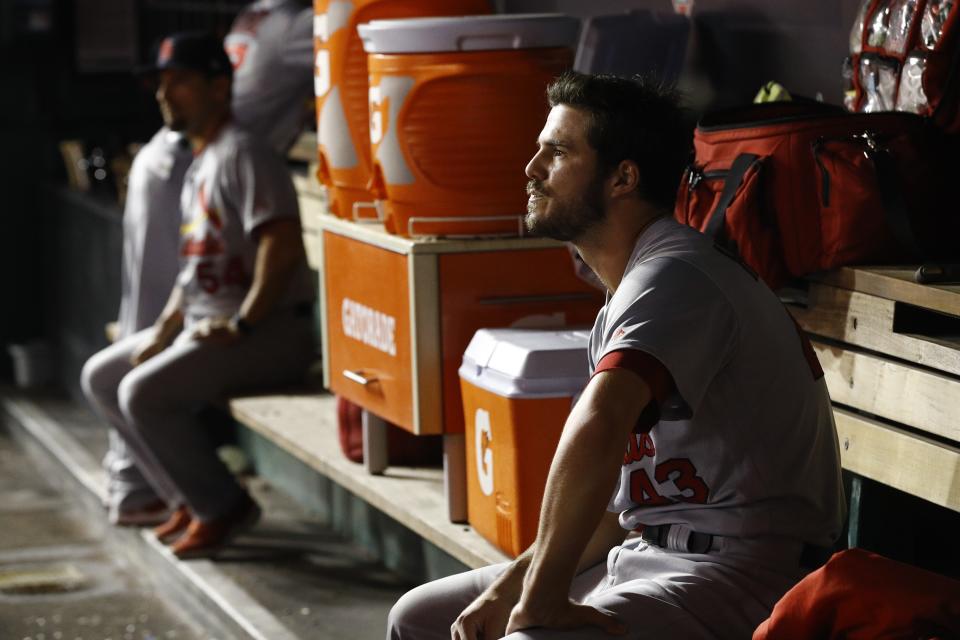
(93, 377)
(136, 397)
(408, 615)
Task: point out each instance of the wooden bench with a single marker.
(892, 368)
(890, 350)
(305, 426)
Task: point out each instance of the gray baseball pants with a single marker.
(657, 593)
(127, 489)
(154, 406)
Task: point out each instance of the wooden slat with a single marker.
(313, 205)
(311, 244)
(305, 426)
(905, 461)
(305, 147)
(306, 184)
(893, 390)
(427, 360)
(896, 283)
(867, 321)
(376, 235)
(312, 209)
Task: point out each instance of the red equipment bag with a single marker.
(905, 56)
(794, 188)
(858, 595)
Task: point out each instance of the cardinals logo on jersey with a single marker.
(242, 39)
(239, 47)
(198, 239)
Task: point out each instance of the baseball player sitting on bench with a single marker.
(706, 423)
(271, 48)
(239, 316)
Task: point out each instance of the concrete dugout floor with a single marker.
(287, 579)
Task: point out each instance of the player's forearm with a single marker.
(581, 479)
(573, 525)
(607, 534)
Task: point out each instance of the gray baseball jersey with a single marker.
(151, 223)
(235, 185)
(271, 47)
(744, 444)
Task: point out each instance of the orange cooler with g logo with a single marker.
(340, 85)
(455, 108)
(518, 387)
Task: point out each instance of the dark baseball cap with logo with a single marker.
(195, 51)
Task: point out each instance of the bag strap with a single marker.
(717, 225)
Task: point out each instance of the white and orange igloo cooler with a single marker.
(455, 108)
(518, 386)
(340, 86)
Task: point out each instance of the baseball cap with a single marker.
(196, 51)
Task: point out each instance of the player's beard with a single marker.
(564, 220)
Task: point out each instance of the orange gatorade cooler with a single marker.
(518, 387)
(340, 84)
(456, 105)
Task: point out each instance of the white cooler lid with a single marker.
(527, 363)
(470, 33)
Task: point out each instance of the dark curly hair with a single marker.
(632, 119)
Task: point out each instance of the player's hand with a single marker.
(216, 331)
(563, 615)
(486, 617)
(150, 347)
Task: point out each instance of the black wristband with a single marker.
(243, 327)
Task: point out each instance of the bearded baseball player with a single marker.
(271, 47)
(238, 317)
(706, 424)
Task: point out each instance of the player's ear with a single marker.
(625, 178)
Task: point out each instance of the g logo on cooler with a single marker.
(483, 451)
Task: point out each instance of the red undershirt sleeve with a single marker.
(652, 371)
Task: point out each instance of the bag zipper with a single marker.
(696, 174)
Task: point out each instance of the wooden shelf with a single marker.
(871, 322)
(890, 350)
(896, 283)
(305, 426)
(921, 399)
(900, 459)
